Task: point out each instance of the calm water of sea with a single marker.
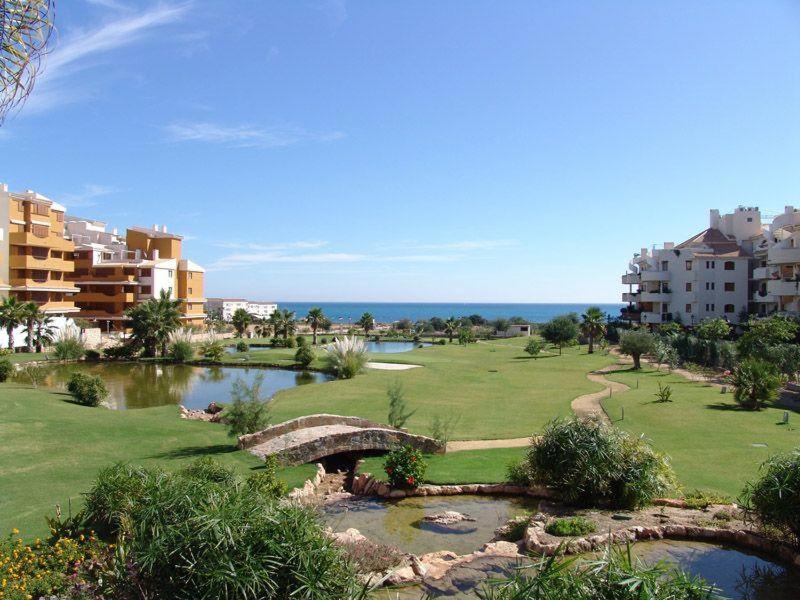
(388, 312)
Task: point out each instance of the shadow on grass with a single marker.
(196, 451)
(535, 357)
(727, 406)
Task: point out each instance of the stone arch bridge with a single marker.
(310, 438)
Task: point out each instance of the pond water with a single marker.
(393, 347)
(399, 522)
(144, 385)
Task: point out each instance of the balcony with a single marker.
(655, 296)
(23, 238)
(630, 297)
(764, 272)
(764, 297)
(654, 318)
(782, 287)
(631, 279)
(117, 298)
(781, 256)
(31, 263)
(655, 275)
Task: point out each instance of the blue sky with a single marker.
(415, 151)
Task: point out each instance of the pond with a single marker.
(399, 522)
(393, 347)
(144, 385)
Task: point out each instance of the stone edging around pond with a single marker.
(365, 484)
(309, 489)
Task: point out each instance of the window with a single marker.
(145, 273)
(190, 274)
(60, 217)
(688, 286)
(688, 308)
(688, 265)
(40, 231)
(730, 286)
(729, 308)
(710, 308)
(665, 265)
(711, 264)
(190, 291)
(169, 273)
(39, 253)
(709, 286)
(730, 265)
(145, 289)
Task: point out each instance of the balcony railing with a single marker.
(783, 287)
(631, 279)
(655, 275)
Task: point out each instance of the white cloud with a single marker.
(257, 258)
(246, 136)
(76, 52)
(112, 4)
(278, 246)
(88, 196)
(472, 245)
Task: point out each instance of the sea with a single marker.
(389, 312)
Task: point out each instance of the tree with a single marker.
(451, 326)
(241, 319)
(756, 382)
(13, 313)
(26, 28)
(593, 325)
(248, 411)
(560, 331)
(635, 343)
(283, 322)
(761, 334)
(32, 313)
(398, 408)
(501, 325)
(713, 329)
(44, 332)
(437, 323)
(366, 322)
(153, 321)
(304, 355)
(315, 319)
(533, 347)
(264, 328)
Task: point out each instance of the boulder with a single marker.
(448, 517)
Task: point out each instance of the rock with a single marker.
(349, 536)
(397, 494)
(401, 576)
(501, 548)
(447, 517)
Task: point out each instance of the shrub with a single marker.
(346, 357)
(266, 482)
(635, 343)
(324, 340)
(249, 411)
(756, 383)
(369, 557)
(209, 470)
(534, 346)
(702, 499)
(442, 342)
(6, 368)
(69, 346)
(121, 352)
(405, 467)
(34, 373)
(664, 393)
(304, 355)
(442, 428)
(517, 474)
(190, 538)
(570, 527)
(774, 498)
(181, 351)
(560, 331)
(466, 336)
(88, 390)
(398, 408)
(212, 350)
(713, 329)
(300, 341)
(242, 346)
(91, 355)
(279, 342)
(588, 463)
(514, 531)
(762, 334)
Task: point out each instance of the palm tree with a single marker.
(13, 313)
(366, 322)
(451, 326)
(32, 314)
(241, 319)
(26, 28)
(153, 321)
(44, 332)
(315, 319)
(264, 328)
(593, 325)
(283, 322)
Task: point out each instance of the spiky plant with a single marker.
(346, 357)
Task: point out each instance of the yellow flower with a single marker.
(15, 531)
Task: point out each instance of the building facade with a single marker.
(777, 272)
(705, 277)
(227, 306)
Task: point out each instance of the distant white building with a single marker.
(228, 306)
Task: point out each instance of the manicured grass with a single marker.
(493, 388)
(53, 449)
(23, 357)
(709, 438)
(467, 466)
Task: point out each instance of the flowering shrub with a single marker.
(405, 467)
(65, 567)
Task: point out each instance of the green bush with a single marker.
(88, 390)
(91, 355)
(756, 383)
(405, 467)
(266, 482)
(570, 527)
(346, 357)
(209, 470)
(242, 346)
(185, 538)
(121, 352)
(69, 348)
(278, 342)
(6, 368)
(774, 498)
(212, 350)
(589, 463)
(517, 474)
(702, 499)
(300, 341)
(248, 411)
(181, 351)
(534, 346)
(304, 355)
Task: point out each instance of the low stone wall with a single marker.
(367, 485)
(310, 486)
(253, 439)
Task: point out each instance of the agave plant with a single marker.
(346, 357)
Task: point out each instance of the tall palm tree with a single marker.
(44, 332)
(32, 314)
(366, 322)
(593, 325)
(153, 321)
(283, 322)
(264, 328)
(241, 320)
(26, 28)
(451, 326)
(13, 313)
(315, 319)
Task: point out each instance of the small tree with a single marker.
(249, 411)
(315, 319)
(466, 336)
(593, 325)
(774, 498)
(756, 383)
(241, 320)
(713, 329)
(451, 326)
(762, 334)
(635, 343)
(304, 356)
(367, 323)
(398, 408)
(6, 368)
(560, 331)
(533, 347)
(405, 467)
(87, 390)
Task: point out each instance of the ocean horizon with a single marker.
(389, 312)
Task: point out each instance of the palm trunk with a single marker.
(30, 336)
(591, 344)
(10, 334)
(314, 336)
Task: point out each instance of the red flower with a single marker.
(410, 481)
(389, 470)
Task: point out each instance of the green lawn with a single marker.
(23, 357)
(467, 466)
(709, 438)
(493, 388)
(53, 449)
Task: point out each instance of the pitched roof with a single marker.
(717, 243)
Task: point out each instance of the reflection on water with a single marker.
(144, 385)
(399, 523)
(392, 347)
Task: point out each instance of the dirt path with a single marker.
(588, 405)
(486, 444)
(696, 377)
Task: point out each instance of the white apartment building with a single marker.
(777, 273)
(707, 276)
(228, 306)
